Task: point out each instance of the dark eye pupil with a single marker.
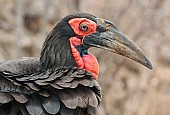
(83, 27)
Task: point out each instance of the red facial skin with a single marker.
(88, 62)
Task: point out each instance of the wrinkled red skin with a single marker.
(88, 62)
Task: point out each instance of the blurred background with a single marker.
(128, 88)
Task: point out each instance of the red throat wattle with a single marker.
(87, 61)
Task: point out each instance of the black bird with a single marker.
(63, 81)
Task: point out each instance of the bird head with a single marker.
(69, 41)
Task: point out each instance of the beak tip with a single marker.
(148, 64)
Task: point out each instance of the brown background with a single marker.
(128, 88)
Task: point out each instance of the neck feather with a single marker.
(56, 52)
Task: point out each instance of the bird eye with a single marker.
(83, 27)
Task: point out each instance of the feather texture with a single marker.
(63, 91)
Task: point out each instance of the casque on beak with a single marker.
(108, 37)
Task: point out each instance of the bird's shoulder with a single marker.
(25, 65)
(62, 91)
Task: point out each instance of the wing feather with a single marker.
(5, 97)
(64, 91)
(51, 104)
(19, 97)
(34, 106)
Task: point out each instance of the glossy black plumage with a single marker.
(60, 91)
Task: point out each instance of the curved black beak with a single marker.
(108, 37)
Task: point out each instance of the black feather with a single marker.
(51, 104)
(34, 106)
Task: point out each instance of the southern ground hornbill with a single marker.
(63, 81)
